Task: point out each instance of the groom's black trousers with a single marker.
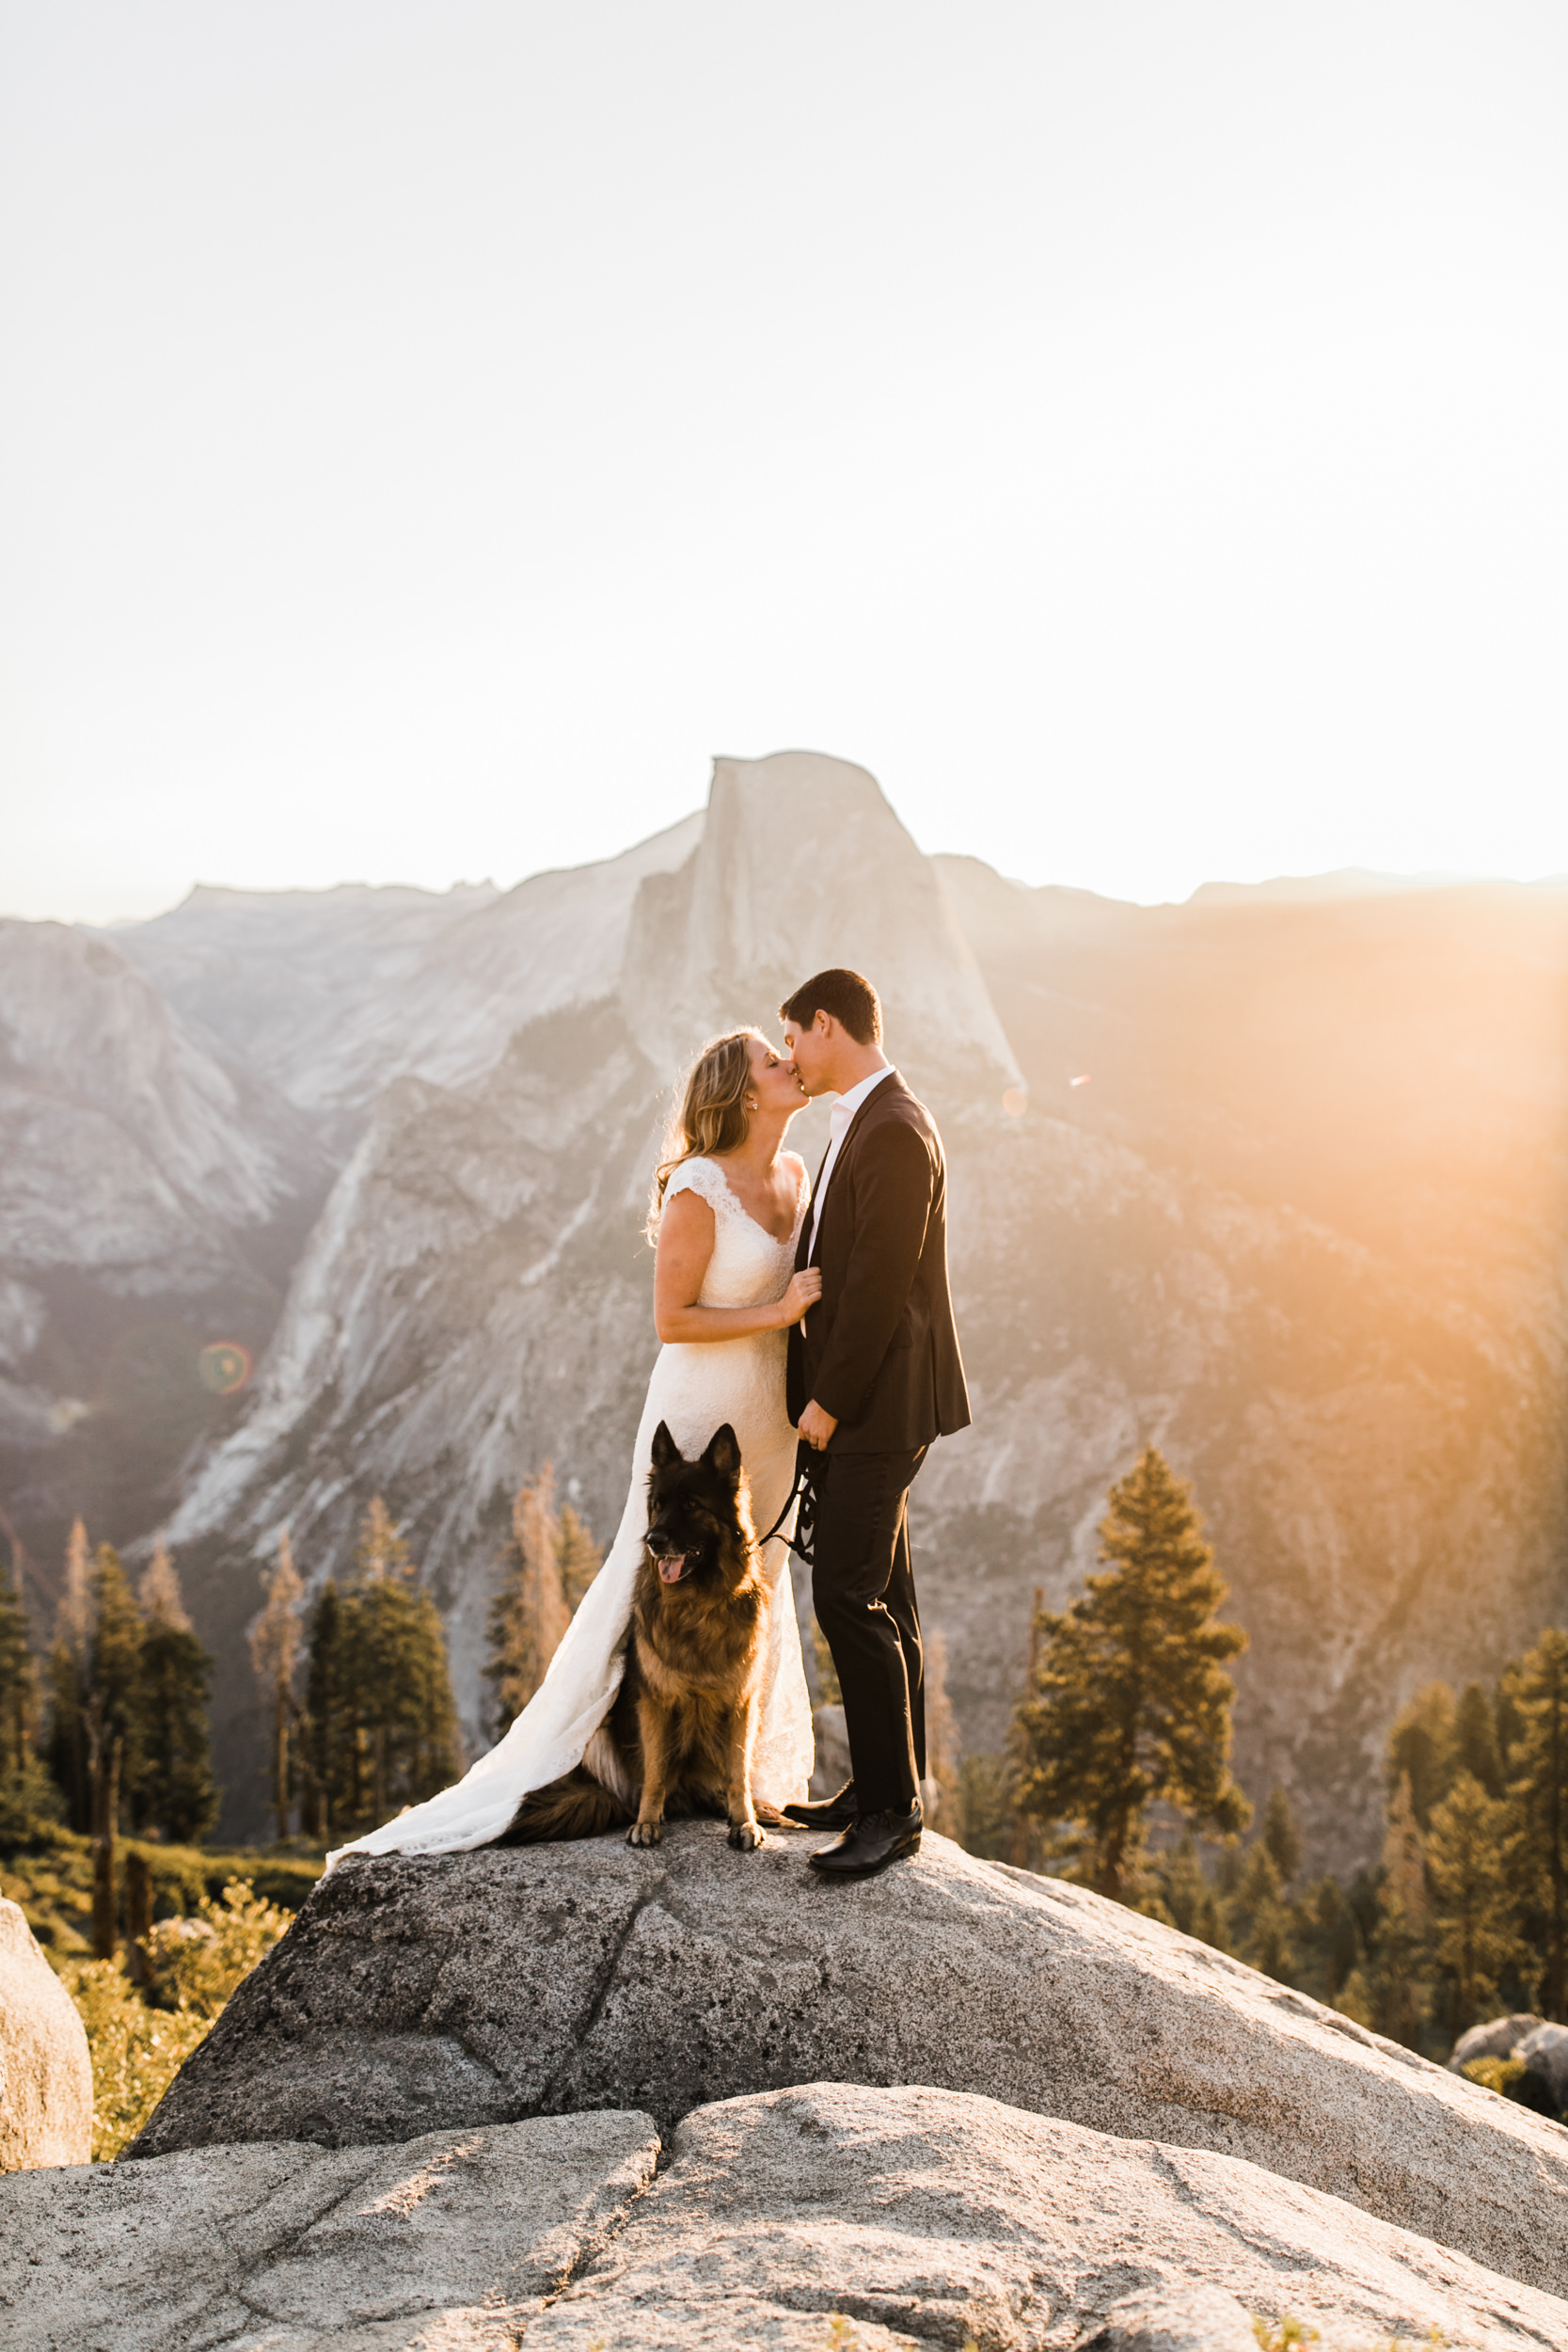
(863, 1591)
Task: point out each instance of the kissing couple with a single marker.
(816, 1318)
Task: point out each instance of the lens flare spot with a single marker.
(224, 1368)
(1080, 1082)
(1015, 1101)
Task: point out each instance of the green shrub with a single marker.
(1494, 2074)
(137, 2041)
(136, 2052)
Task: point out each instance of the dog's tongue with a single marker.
(672, 1570)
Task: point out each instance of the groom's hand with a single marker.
(816, 1426)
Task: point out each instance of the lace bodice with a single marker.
(748, 1266)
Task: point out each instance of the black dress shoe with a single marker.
(830, 1813)
(870, 1843)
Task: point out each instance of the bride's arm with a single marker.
(685, 1246)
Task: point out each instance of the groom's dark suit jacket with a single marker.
(879, 1351)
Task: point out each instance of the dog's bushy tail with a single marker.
(576, 1805)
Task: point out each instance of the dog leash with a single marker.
(804, 1493)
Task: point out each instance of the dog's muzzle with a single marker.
(673, 1565)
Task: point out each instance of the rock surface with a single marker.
(451, 2240)
(925, 2218)
(45, 2075)
(473, 1988)
(1175, 2319)
(1500, 2038)
(829, 2214)
(1545, 2051)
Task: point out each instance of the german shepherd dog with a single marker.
(680, 1735)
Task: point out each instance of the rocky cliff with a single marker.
(475, 1988)
(1281, 1185)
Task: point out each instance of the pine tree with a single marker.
(1396, 1979)
(331, 1734)
(1282, 1836)
(27, 1794)
(17, 1684)
(1422, 1750)
(68, 1676)
(1538, 1790)
(275, 1646)
(173, 1792)
(1478, 1943)
(942, 1748)
(382, 1718)
(1510, 1723)
(1330, 1923)
(581, 1558)
(406, 1716)
(1261, 1918)
(112, 1718)
(1129, 1702)
(987, 1808)
(1185, 1897)
(380, 1551)
(1476, 1749)
(530, 1613)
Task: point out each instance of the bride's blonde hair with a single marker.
(712, 1115)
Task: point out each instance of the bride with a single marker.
(726, 1213)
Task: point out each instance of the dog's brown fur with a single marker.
(680, 1736)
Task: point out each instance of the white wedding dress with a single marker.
(694, 1389)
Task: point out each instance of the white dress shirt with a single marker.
(839, 1119)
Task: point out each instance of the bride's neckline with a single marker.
(780, 1241)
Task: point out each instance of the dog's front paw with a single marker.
(645, 1832)
(747, 1835)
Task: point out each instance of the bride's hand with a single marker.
(804, 1291)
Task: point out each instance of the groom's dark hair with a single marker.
(848, 996)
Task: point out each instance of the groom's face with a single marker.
(810, 1050)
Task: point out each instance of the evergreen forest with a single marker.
(1116, 1774)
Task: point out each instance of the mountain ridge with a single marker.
(1280, 1186)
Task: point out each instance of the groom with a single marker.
(875, 1374)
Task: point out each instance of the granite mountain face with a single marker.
(1279, 1183)
(154, 1194)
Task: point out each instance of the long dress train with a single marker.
(693, 1390)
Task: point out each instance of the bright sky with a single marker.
(430, 429)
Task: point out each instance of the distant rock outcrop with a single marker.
(45, 2073)
(475, 1988)
(796, 2220)
(1544, 2052)
(1499, 2038)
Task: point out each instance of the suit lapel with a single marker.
(885, 1086)
(802, 1248)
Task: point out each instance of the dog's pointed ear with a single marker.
(665, 1448)
(723, 1454)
